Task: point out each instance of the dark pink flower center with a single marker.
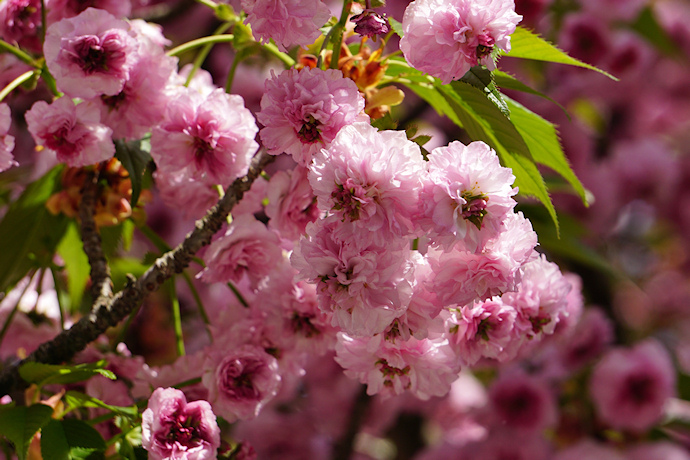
(349, 198)
(474, 208)
(486, 45)
(94, 54)
(309, 133)
(639, 389)
(182, 429)
(237, 379)
(301, 324)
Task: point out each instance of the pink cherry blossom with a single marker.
(364, 285)
(303, 110)
(173, 429)
(179, 191)
(60, 9)
(288, 22)
(483, 330)
(370, 179)
(446, 38)
(522, 402)
(6, 141)
(425, 368)
(466, 196)
(630, 386)
(541, 298)
(291, 203)
(20, 22)
(247, 248)
(90, 54)
(74, 133)
(212, 138)
(240, 381)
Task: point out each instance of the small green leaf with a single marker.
(542, 139)
(134, 156)
(75, 399)
(19, 424)
(44, 374)
(526, 44)
(225, 13)
(70, 439)
(481, 78)
(71, 249)
(396, 27)
(30, 233)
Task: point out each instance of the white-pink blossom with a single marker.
(371, 180)
(6, 141)
(630, 386)
(425, 367)
(74, 133)
(247, 248)
(287, 22)
(364, 285)
(174, 429)
(466, 196)
(240, 380)
(212, 137)
(179, 191)
(445, 38)
(303, 110)
(90, 54)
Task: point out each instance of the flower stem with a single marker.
(347, 5)
(213, 39)
(24, 57)
(26, 76)
(238, 294)
(177, 318)
(208, 3)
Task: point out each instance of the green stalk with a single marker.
(275, 52)
(26, 76)
(339, 33)
(199, 303)
(177, 318)
(24, 57)
(213, 39)
(10, 317)
(238, 294)
(208, 3)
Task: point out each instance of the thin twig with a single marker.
(342, 450)
(66, 344)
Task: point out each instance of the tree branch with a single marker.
(101, 287)
(66, 344)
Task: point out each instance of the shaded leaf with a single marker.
(30, 233)
(19, 424)
(134, 156)
(481, 78)
(543, 142)
(70, 439)
(528, 45)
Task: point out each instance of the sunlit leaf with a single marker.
(44, 374)
(71, 249)
(528, 45)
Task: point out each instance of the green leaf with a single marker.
(121, 267)
(543, 142)
(19, 424)
(396, 27)
(528, 45)
(648, 27)
(134, 156)
(71, 249)
(70, 439)
(75, 399)
(507, 81)
(30, 233)
(44, 374)
(481, 78)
